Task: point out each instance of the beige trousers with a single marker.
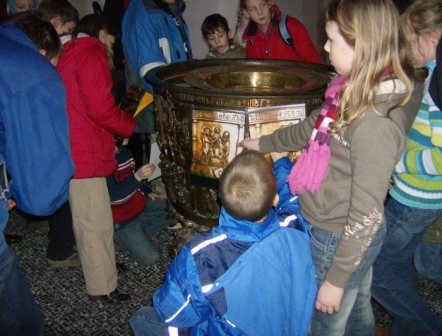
(94, 231)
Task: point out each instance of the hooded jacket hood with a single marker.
(178, 6)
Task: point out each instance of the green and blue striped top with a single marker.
(418, 175)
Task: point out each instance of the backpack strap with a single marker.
(284, 31)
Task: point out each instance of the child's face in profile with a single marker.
(341, 54)
(423, 48)
(63, 28)
(219, 40)
(107, 39)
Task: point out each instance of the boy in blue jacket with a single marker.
(154, 33)
(251, 275)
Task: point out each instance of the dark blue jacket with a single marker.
(241, 278)
(34, 136)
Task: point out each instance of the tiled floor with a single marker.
(62, 297)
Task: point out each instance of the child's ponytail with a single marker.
(236, 37)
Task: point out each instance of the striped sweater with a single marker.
(418, 175)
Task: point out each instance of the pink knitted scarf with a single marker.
(311, 167)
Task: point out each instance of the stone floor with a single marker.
(62, 297)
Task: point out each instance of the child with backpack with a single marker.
(352, 145)
(271, 34)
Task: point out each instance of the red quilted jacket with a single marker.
(93, 116)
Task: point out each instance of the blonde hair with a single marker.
(422, 18)
(372, 28)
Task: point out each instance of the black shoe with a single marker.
(12, 239)
(113, 298)
(121, 268)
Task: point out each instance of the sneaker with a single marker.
(72, 261)
(113, 298)
(175, 226)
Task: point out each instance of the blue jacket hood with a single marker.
(178, 5)
(13, 33)
(244, 230)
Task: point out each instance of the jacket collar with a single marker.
(244, 230)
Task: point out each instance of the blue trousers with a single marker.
(145, 322)
(136, 236)
(428, 261)
(356, 315)
(394, 279)
(19, 314)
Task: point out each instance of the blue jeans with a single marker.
(136, 236)
(19, 314)
(394, 278)
(356, 316)
(428, 261)
(145, 322)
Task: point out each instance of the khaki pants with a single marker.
(94, 230)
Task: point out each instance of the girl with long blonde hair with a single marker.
(351, 146)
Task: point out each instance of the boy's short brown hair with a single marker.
(212, 23)
(247, 187)
(49, 9)
(42, 33)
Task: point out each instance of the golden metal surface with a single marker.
(239, 79)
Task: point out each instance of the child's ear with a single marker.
(101, 35)
(435, 37)
(276, 200)
(229, 34)
(245, 13)
(43, 52)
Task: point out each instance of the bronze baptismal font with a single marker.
(203, 108)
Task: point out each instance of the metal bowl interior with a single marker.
(256, 79)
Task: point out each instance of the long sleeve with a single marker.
(180, 302)
(95, 81)
(418, 175)
(123, 183)
(423, 154)
(37, 147)
(292, 138)
(374, 149)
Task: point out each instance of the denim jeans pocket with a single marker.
(323, 244)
